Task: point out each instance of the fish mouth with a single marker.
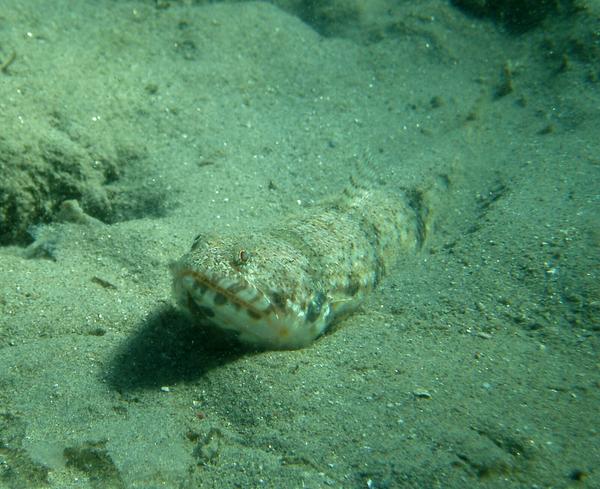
(262, 319)
(236, 306)
(225, 301)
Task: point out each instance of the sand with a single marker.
(475, 364)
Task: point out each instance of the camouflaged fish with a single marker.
(282, 287)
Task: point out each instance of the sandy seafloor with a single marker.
(475, 364)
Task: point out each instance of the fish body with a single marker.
(283, 286)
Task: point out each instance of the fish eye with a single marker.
(243, 256)
(196, 241)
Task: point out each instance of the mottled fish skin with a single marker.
(282, 287)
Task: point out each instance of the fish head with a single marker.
(260, 287)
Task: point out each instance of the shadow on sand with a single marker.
(168, 349)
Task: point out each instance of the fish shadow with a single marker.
(168, 349)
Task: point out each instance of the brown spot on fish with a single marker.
(219, 299)
(253, 314)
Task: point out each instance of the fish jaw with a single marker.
(260, 319)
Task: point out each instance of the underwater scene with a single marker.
(315, 244)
